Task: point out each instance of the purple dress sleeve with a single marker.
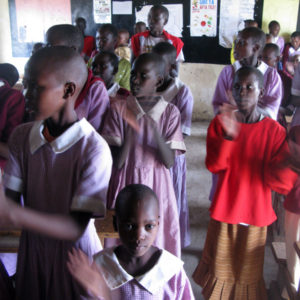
(224, 84)
(280, 43)
(185, 105)
(90, 195)
(184, 289)
(172, 132)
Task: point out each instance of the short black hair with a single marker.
(80, 19)
(156, 59)
(69, 34)
(9, 73)
(295, 34)
(245, 71)
(273, 23)
(257, 36)
(272, 47)
(248, 22)
(110, 28)
(165, 48)
(140, 23)
(133, 192)
(113, 58)
(163, 9)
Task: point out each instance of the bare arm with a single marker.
(124, 150)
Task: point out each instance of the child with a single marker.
(271, 55)
(106, 38)
(247, 151)
(61, 167)
(36, 47)
(93, 101)
(12, 108)
(146, 133)
(105, 65)
(89, 41)
(274, 29)
(249, 45)
(123, 49)
(139, 27)
(144, 41)
(135, 269)
(177, 93)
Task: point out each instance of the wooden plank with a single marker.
(279, 252)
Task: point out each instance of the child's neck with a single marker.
(147, 102)
(167, 82)
(252, 61)
(109, 83)
(137, 266)
(249, 117)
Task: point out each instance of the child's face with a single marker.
(244, 47)
(269, 57)
(105, 40)
(143, 79)
(122, 38)
(156, 22)
(103, 68)
(274, 30)
(138, 228)
(246, 92)
(45, 95)
(139, 28)
(295, 41)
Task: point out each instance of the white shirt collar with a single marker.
(155, 112)
(172, 90)
(263, 67)
(115, 276)
(2, 83)
(113, 90)
(63, 142)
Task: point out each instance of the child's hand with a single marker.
(228, 120)
(87, 274)
(130, 118)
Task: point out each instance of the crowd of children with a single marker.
(101, 125)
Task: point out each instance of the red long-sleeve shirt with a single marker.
(248, 168)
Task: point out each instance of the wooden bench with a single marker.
(9, 240)
(283, 275)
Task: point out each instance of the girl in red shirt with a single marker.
(246, 150)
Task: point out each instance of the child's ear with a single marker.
(69, 89)
(261, 93)
(160, 81)
(174, 70)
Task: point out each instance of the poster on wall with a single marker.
(175, 23)
(102, 11)
(232, 16)
(203, 18)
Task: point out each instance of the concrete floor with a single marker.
(198, 187)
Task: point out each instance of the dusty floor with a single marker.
(198, 187)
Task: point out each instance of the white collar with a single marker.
(263, 67)
(155, 112)
(115, 276)
(172, 90)
(2, 83)
(63, 142)
(113, 90)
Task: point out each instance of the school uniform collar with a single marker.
(115, 276)
(112, 92)
(155, 112)
(172, 90)
(263, 67)
(63, 142)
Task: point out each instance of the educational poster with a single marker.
(232, 16)
(175, 23)
(203, 17)
(102, 11)
(122, 7)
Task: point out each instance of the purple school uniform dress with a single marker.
(69, 174)
(271, 100)
(180, 95)
(94, 105)
(296, 92)
(143, 164)
(167, 279)
(279, 41)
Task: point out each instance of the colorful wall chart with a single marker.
(102, 11)
(203, 18)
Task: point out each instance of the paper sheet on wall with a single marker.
(102, 11)
(122, 7)
(175, 23)
(232, 16)
(203, 17)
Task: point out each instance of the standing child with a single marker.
(105, 65)
(247, 150)
(143, 42)
(107, 37)
(123, 49)
(274, 29)
(93, 101)
(146, 133)
(176, 92)
(61, 167)
(135, 269)
(139, 27)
